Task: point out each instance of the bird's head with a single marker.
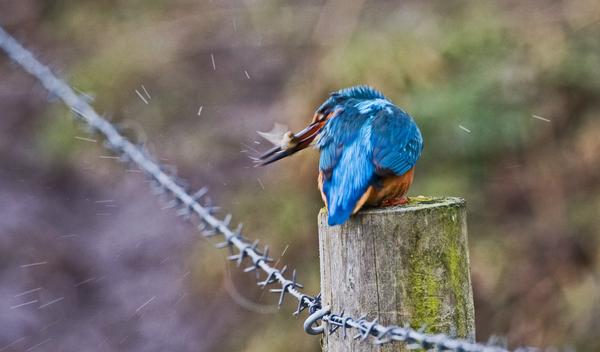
(337, 101)
(348, 96)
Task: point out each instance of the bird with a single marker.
(368, 150)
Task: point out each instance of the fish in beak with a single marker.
(292, 143)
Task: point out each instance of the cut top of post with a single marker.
(415, 204)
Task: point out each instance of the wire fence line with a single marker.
(194, 205)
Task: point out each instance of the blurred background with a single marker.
(507, 94)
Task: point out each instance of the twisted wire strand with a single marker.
(189, 204)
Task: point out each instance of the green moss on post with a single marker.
(406, 264)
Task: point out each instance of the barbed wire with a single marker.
(241, 249)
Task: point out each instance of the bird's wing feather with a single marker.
(349, 146)
(396, 141)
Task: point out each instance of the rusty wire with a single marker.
(189, 205)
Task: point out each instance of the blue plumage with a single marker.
(366, 138)
(368, 146)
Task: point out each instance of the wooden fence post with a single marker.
(406, 264)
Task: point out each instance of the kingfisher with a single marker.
(368, 151)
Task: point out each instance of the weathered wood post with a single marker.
(407, 264)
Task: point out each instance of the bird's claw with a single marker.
(394, 201)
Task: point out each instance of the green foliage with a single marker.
(55, 138)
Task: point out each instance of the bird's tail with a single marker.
(339, 215)
(340, 209)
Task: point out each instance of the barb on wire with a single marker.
(165, 181)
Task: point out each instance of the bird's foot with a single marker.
(394, 201)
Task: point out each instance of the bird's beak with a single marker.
(291, 143)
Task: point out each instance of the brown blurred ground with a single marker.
(126, 275)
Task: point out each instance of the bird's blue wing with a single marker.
(396, 141)
(346, 162)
